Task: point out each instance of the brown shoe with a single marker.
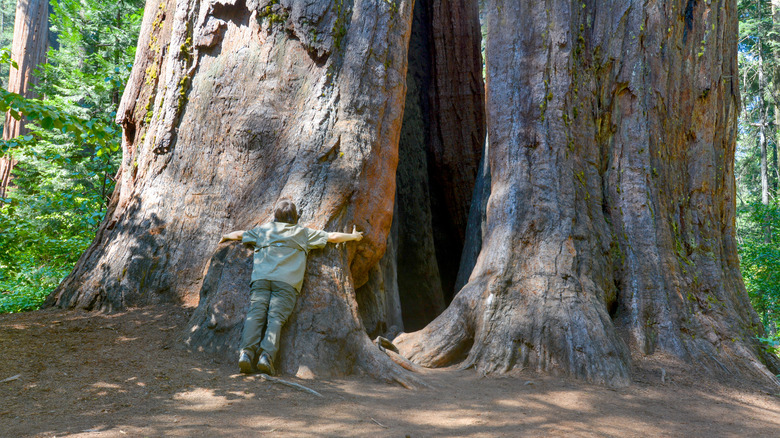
(265, 364)
(245, 362)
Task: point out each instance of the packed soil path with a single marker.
(124, 375)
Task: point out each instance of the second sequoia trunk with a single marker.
(612, 132)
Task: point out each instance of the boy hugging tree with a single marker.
(279, 264)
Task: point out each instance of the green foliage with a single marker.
(53, 120)
(7, 14)
(63, 180)
(759, 226)
(771, 344)
(758, 221)
(28, 288)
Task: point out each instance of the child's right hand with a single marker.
(357, 235)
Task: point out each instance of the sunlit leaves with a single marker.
(95, 131)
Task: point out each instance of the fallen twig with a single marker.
(379, 423)
(11, 378)
(291, 384)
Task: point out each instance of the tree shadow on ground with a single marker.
(123, 374)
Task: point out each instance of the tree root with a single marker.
(445, 339)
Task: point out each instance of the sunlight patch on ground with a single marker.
(201, 399)
(565, 400)
(303, 426)
(370, 390)
(104, 385)
(448, 418)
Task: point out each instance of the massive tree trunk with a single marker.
(611, 208)
(231, 105)
(31, 33)
(612, 131)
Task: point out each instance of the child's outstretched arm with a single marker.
(344, 237)
(235, 235)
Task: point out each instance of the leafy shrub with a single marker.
(28, 288)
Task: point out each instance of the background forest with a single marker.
(64, 176)
(63, 180)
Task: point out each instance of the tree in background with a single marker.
(31, 39)
(7, 13)
(758, 216)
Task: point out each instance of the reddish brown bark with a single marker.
(609, 230)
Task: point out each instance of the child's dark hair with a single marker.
(286, 212)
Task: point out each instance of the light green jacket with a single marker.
(281, 250)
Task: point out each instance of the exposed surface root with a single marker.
(445, 340)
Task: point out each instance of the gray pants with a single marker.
(272, 302)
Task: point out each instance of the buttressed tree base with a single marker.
(612, 132)
(609, 227)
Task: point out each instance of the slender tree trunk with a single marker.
(30, 42)
(763, 109)
(776, 94)
(612, 132)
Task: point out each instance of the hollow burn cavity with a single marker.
(430, 239)
(439, 158)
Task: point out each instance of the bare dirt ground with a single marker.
(123, 375)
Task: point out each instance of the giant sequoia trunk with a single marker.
(31, 34)
(612, 131)
(231, 105)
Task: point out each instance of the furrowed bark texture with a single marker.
(31, 33)
(439, 153)
(612, 133)
(232, 105)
